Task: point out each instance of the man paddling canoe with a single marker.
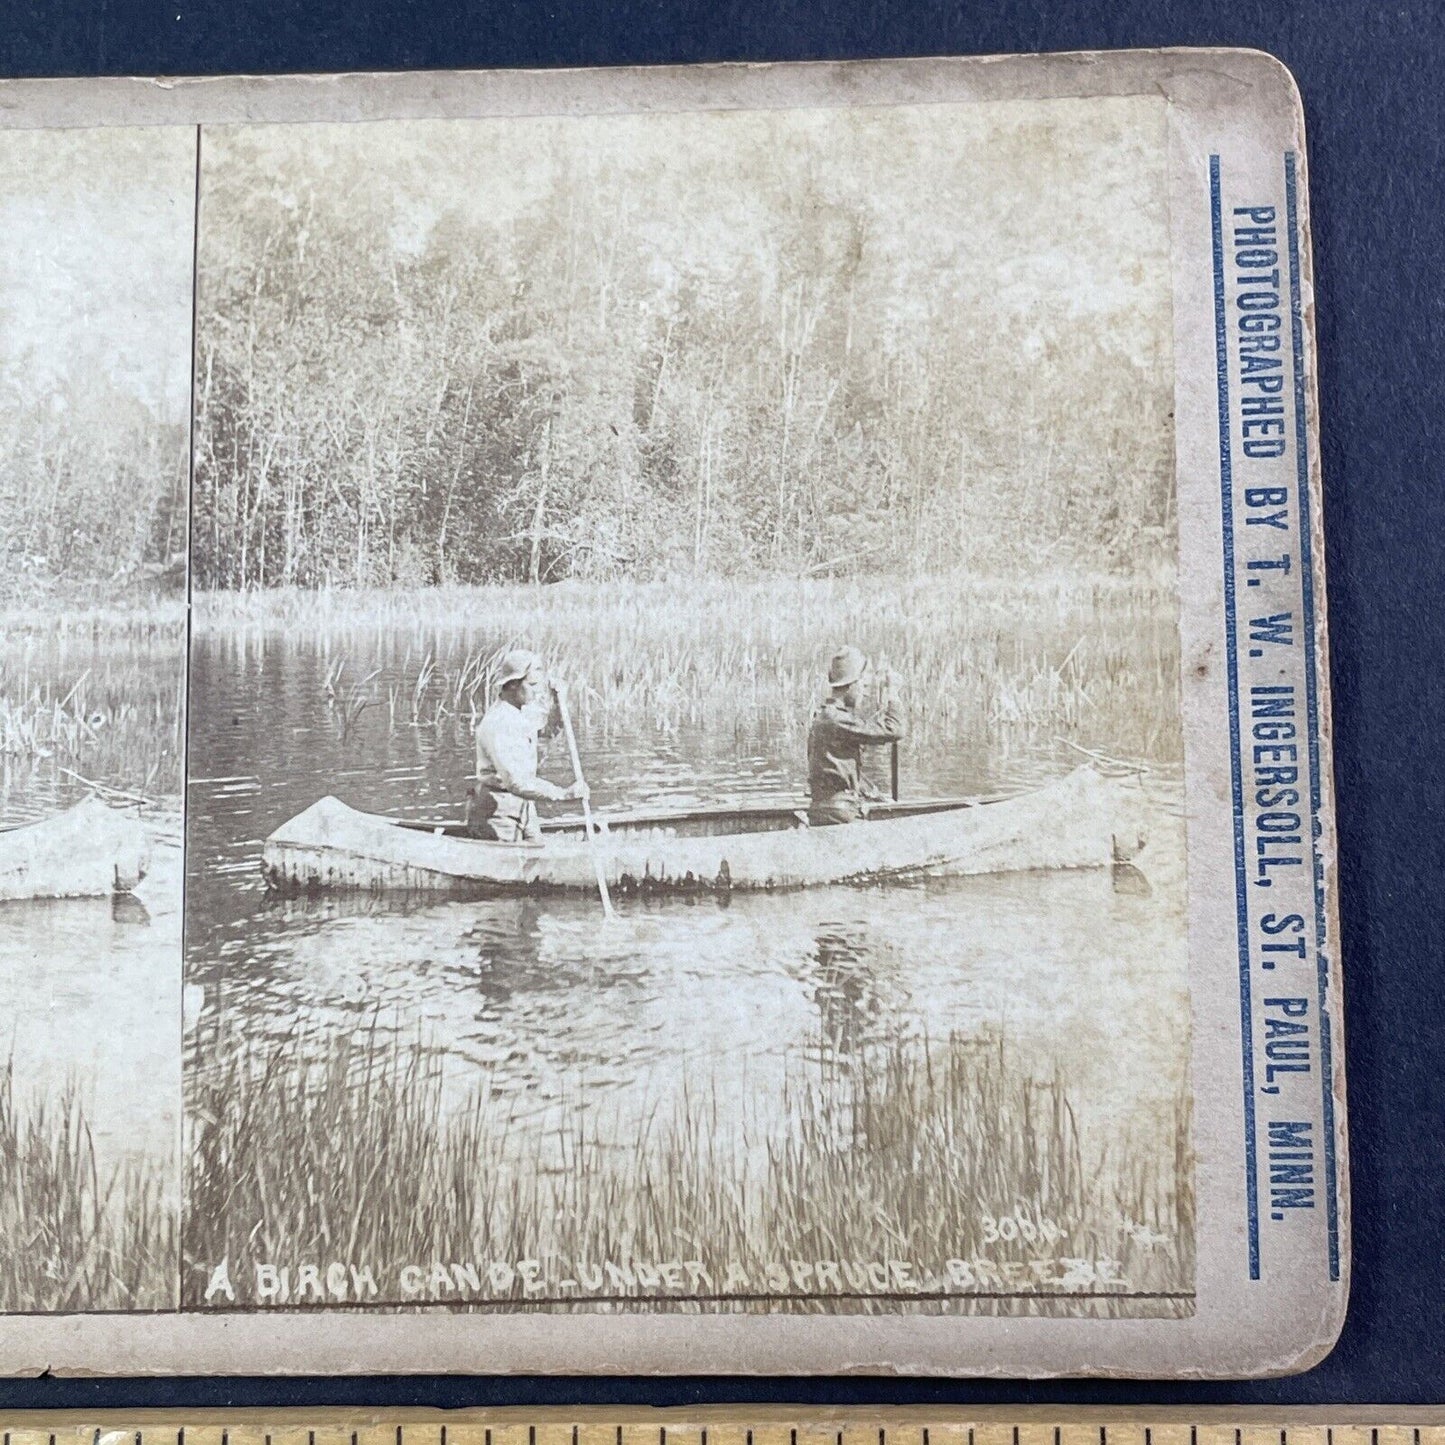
(839, 731)
(502, 803)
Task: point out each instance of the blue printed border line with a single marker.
(1291, 193)
(1226, 476)
(1226, 485)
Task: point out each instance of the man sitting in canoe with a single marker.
(837, 735)
(502, 804)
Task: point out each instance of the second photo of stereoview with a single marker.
(686, 767)
(95, 361)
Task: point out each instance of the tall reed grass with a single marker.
(74, 1239)
(345, 1150)
(99, 693)
(1013, 662)
(160, 617)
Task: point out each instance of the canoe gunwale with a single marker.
(790, 815)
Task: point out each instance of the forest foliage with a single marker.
(401, 394)
(95, 351)
(93, 496)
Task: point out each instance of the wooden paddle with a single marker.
(887, 697)
(586, 806)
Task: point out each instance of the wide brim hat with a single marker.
(517, 664)
(847, 665)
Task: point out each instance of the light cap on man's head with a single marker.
(517, 664)
(847, 666)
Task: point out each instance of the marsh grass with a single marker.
(97, 692)
(348, 1150)
(1009, 662)
(74, 1238)
(148, 620)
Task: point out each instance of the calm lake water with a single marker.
(88, 987)
(535, 999)
(88, 997)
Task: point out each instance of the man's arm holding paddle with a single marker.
(884, 728)
(885, 725)
(514, 765)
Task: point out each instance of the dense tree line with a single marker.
(93, 494)
(95, 348)
(561, 393)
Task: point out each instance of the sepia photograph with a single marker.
(95, 360)
(686, 767)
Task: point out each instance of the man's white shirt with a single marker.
(507, 738)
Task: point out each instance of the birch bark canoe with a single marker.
(1083, 820)
(88, 851)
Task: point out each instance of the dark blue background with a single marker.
(1373, 90)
